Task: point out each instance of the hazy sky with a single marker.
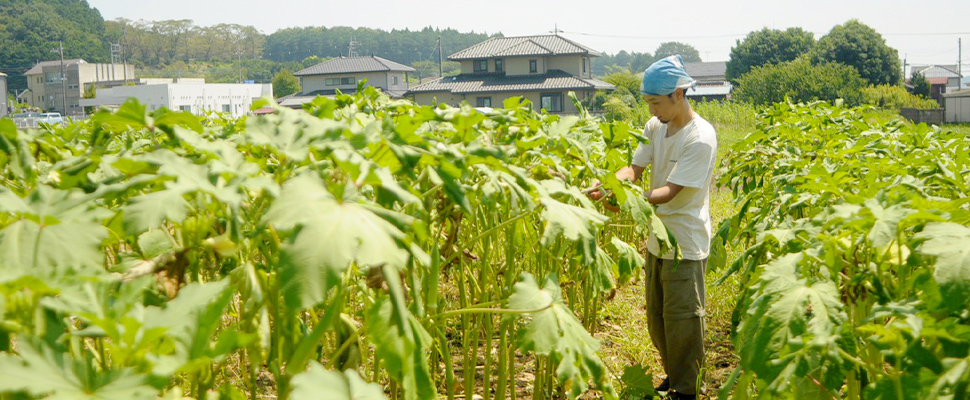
(924, 32)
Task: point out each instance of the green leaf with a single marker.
(41, 372)
(317, 383)
(628, 259)
(556, 332)
(152, 210)
(62, 249)
(950, 244)
(191, 319)
(328, 236)
(575, 224)
(637, 382)
(401, 343)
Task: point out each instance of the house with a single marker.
(956, 106)
(942, 79)
(47, 91)
(541, 68)
(711, 83)
(3, 90)
(343, 73)
(192, 95)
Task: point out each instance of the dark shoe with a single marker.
(681, 396)
(664, 386)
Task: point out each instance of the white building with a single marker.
(51, 90)
(193, 95)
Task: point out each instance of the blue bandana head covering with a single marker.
(664, 76)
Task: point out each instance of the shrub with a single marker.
(800, 81)
(894, 97)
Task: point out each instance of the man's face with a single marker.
(662, 107)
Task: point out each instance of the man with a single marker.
(682, 150)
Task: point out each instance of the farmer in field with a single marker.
(681, 153)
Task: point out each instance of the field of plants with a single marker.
(432, 250)
(369, 248)
(856, 260)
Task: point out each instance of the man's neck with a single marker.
(680, 121)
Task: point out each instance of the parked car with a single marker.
(51, 118)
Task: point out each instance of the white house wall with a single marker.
(957, 109)
(235, 99)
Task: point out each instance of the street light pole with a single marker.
(60, 48)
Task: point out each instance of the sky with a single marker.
(924, 32)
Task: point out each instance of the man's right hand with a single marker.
(596, 193)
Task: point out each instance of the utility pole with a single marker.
(441, 73)
(60, 49)
(960, 57)
(124, 42)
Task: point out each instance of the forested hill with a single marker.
(30, 30)
(403, 46)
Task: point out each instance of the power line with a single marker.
(655, 37)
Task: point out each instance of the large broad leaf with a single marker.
(192, 319)
(319, 384)
(556, 332)
(328, 236)
(59, 232)
(41, 372)
(792, 325)
(628, 259)
(401, 344)
(886, 226)
(153, 209)
(950, 244)
(575, 224)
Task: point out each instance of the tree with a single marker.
(285, 83)
(921, 87)
(800, 81)
(625, 80)
(767, 46)
(861, 47)
(686, 51)
(29, 30)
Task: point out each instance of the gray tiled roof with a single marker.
(477, 83)
(701, 70)
(539, 45)
(39, 67)
(350, 65)
(937, 71)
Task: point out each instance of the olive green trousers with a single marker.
(675, 318)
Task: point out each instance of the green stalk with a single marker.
(488, 278)
(445, 349)
(490, 231)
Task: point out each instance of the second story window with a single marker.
(499, 65)
(533, 66)
(481, 65)
(584, 64)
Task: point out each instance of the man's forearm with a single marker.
(630, 173)
(663, 194)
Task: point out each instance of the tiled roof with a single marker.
(350, 65)
(539, 45)
(477, 83)
(39, 67)
(701, 70)
(723, 89)
(936, 71)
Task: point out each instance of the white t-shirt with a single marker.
(687, 159)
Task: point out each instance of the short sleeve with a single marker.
(644, 154)
(695, 164)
